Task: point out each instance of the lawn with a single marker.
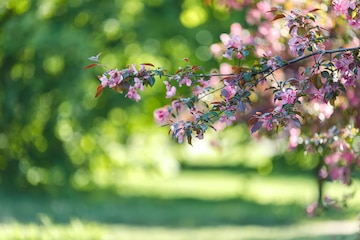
(211, 204)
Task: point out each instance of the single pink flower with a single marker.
(138, 84)
(115, 78)
(104, 80)
(186, 80)
(170, 90)
(288, 96)
(297, 44)
(178, 131)
(161, 115)
(132, 93)
(311, 209)
(227, 119)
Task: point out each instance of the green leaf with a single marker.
(151, 81)
(325, 74)
(301, 31)
(247, 76)
(316, 80)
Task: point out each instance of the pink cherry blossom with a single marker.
(227, 119)
(229, 90)
(354, 22)
(343, 65)
(170, 90)
(346, 7)
(132, 69)
(195, 112)
(203, 85)
(104, 80)
(161, 115)
(234, 44)
(288, 96)
(294, 137)
(323, 173)
(268, 121)
(178, 131)
(115, 78)
(342, 6)
(185, 80)
(298, 44)
(132, 93)
(311, 209)
(111, 78)
(138, 84)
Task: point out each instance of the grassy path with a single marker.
(194, 205)
(80, 230)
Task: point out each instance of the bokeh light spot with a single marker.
(110, 60)
(118, 117)
(19, 6)
(81, 19)
(203, 53)
(204, 37)
(64, 130)
(193, 17)
(87, 143)
(80, 179)
(112, 29)
(54, 64)
(133, 7)
(41, 143)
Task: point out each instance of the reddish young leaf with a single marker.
(241, 83)
(225, 78)
(148, 64)
(252, 121)
(273, 9)
(216, 102)
(237, 69)
(99, 90)
(314, 10)
(279, 16)
(195, 68)
(90, 65)
(189, 138)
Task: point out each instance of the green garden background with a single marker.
(76, 167)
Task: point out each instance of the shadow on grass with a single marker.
(107, 207)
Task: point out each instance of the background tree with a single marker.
(53, 134)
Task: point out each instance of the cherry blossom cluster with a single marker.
(129, 80)
(351, 10)
(348, 69)
(236, 88)
(304, 34)
(340, 157)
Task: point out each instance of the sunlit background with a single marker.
(67, 158)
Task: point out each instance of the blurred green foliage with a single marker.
(53, 133)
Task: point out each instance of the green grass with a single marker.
(82, 230)
(195, 205)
